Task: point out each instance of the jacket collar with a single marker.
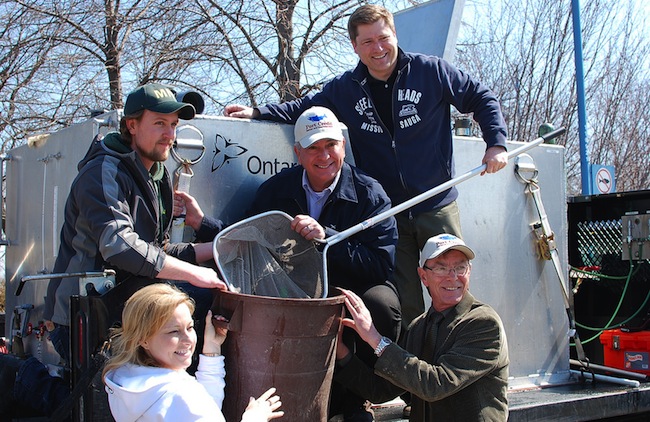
(463, 307)
(344, 189)
(361, 74)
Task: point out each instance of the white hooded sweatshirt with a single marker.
(149, 394)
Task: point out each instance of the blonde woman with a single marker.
(146, 378)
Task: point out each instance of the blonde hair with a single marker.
(367, 15)
(144, 314)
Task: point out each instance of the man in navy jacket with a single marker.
(326, 195)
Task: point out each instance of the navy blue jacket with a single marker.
(419, 155)
(363, 260)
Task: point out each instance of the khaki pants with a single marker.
(413, 234)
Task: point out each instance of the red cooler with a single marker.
(627, 351)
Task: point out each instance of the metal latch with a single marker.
(525, 168)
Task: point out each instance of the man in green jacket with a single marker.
(453, 359)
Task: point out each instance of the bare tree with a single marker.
(269, 44)
(620, 98)
(74, 57)
(83, 53)
(24, 49)
(524, 51)
(96, 32)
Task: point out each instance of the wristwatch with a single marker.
(385, 341)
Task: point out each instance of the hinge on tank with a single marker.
(20, 328)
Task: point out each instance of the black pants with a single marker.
(383, 303)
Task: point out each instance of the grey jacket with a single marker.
(467, 380)
(114, 218)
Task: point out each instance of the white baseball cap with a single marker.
(440, 244)
(317, 123)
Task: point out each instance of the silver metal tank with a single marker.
(496, 216)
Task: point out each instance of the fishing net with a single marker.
(263, 256)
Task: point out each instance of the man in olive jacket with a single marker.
(453, 359)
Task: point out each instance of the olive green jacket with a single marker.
(466, 381)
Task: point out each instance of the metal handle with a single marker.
(87, 274)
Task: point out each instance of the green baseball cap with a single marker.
(158, 98)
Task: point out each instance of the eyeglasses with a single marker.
(441, 271)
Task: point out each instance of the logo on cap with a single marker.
(317, 123)
(440, 244)
(317, 117)
(320, 122)
(446, 239)
(163, 92)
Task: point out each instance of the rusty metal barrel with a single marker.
(289, 344)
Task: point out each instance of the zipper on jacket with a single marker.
(394, 145)
(383, 125)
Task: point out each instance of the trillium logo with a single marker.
(225, 151)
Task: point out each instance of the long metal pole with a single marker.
(580, 93)
(421, 197)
